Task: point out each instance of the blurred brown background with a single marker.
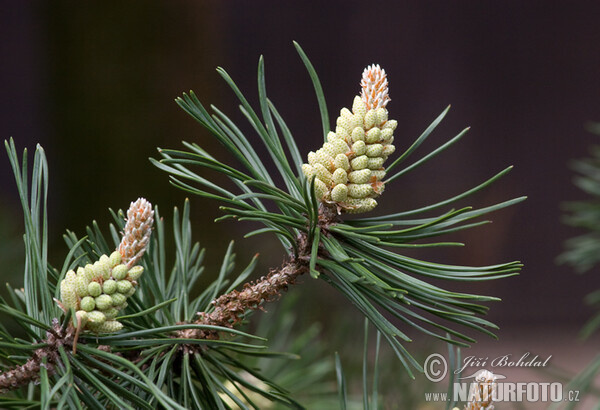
(94, 84)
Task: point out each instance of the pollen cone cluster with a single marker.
(348, 168)
(99, 291)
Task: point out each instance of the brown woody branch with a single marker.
(230, 308)
(30, 371)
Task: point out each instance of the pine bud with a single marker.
(391, 124)
(124, 286)
(482, 391)
(109, 287)
(374, 87)
(342, 132)
(382, 115)
(388, 150)
(341, 161)
(96, 317)
(359, 107)
(358, 134)
(114, 259)
(118, 299)
(102, 269)
(82, 285)
(135, 272)
(110, 326)
(331, 136)
(360, 177)
(359, 190)
(386, 134)
(136, 234)
(361, 205)
(373, 135)
(68, 293)
(111, 313)
(339, 193)
(321, 188)
(88, 304)
(359, 148)
(81, 316)
(94, 289)
(98, 291)
(103, 302)
(308, 170)
(375, 163)
(378, 175)
(119, 272)
(359, 163)
(70, 276)
(370, 119)
(322, 174)
(89, 272)
(340, 176)
(374, 150)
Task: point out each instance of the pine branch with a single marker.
(46, 356)
(169, 347)
(230, 308)
(346, 175)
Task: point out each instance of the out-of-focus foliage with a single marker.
(583, 251)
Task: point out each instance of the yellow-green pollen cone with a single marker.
(348, 168)
(97, 292)
(96, 297)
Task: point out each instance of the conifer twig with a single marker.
(22, 375)
(230, 307)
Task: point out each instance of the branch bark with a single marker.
(30, 371)
(230, 307)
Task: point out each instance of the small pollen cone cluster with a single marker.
(348, 168)
(482, 392)
(99, 291)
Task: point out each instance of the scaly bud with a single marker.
(94, 289)
(374, 87)
(88, 304)
(103, 302)
(124, 286)
(118, 299)
(109, 287)
(135, 272)
(119, 272)
(110, 326)
(136, 234)
(482, 391)
(114, 259)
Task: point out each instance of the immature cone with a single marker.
(348, 168)
(482, 392)
(136, 235)
(99, 291)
